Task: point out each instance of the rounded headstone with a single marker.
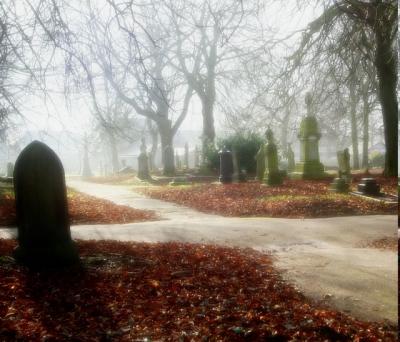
(44, 237)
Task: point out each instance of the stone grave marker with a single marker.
(44, 238)
(143, 162)
(309, 166)
(369, 187)
(260, 158)
(272, 176)
(186, 156)
(344, 164)
(196, 157)
(290, 159)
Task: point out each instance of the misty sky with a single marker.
(52, 114)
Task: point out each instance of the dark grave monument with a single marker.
(226, 166)
(369, 187)
(44, 238)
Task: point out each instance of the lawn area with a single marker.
(166, 292)
(293, 199)
(83, 209)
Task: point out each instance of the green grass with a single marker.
(330, 196)
(6, 189)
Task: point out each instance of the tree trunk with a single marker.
(366, 111)
(208, 121)
(353, 121)
(386, 66)
(153, 151)
(114, 153)
(167, 148)
(284, 133)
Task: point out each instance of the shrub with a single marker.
(210, 159)
(246, 146)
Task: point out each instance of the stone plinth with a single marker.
(143, 166)
(309, 166)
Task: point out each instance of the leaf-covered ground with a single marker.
(294, 199)
(389, 243)
(83, 209)
(166, 292)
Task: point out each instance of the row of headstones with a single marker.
(44, 237)
(143, 160)
(182, 162)
(267, 164)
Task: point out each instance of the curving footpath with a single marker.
(321, 257)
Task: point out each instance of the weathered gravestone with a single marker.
(260, 158)
(178, 163)
(290, 159)
(344, 164)
(186, 156)
(143, 162)
(341, 184)
(196, 157)
(226, 166)
(44, 237)
(309, 166)
(272, 176)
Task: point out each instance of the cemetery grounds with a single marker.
(178, 290)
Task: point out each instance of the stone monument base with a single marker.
(309, 170)
(56, 255)
(339, 185)
(179, 181)
(274, 178)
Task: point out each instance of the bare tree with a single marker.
(376, 19)
(207, 44)
(141, 75)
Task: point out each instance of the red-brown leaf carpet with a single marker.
(166, 292)
(292, 199)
